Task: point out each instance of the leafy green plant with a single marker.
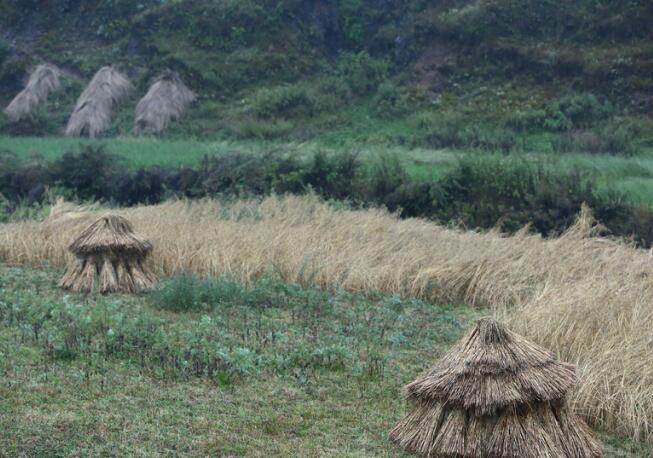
(186, 293)
(285, 101)
(389, 101)
(361, 72)
(577, 111)
(453, 131)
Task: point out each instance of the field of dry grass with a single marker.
(587, 298)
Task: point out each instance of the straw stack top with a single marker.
(110, 234)
(493, 368)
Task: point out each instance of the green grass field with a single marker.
(212, 368)
(630, 175)
(139, 152)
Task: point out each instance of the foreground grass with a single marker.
(297, 372)
(301, 372)
(584, 297)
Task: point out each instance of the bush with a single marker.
(512, 194)
(382, 178)
(187, 293)
(523, 120)
(332, 176)
(361, 72)
(488, 19)
(234, 173)
(606, 140)
(142, 186)
(452, 131)
(300, 101)
(478, 193)
(91, 174)
(389, 101)
(486, 193)
(283, 102)
(577, 111)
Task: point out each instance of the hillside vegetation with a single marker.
(470, 74)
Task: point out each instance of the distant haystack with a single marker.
(43, 81)
(166, 101)
(495, 394)
(110, 259)
(95, 107)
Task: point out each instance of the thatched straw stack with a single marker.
(495, 394)
(92, 115)
(43, 81)
(110, 259)
(167, 99)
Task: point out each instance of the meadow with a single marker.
(629, 175)
(584, 297)
(208, 368)
(356, 182)
(212, 367)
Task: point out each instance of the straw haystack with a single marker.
(495, 394)
(110, 259)
(94, 110)
(167, 99)
(43, 81)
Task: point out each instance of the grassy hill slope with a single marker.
(383, 72)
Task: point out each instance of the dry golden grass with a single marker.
(589, 299)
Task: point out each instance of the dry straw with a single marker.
(494, 394)
(586, 298)
(43, 81)
(92, 115)
(167, 99)
(110, 258)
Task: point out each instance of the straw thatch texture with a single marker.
(586, 298)
(94, 110)
(43, 81)
(494, 394)
(110, 259)
(167, 99)
(494, 369)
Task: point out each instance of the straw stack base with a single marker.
(96, 274)
(547, 431)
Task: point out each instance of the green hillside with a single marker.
(487, 74)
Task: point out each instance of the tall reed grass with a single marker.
(587, 298)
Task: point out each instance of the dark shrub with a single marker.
(332, 176)
(19, 180)
(477, 193)
(185, 182)
(234, 173)
(142, 186)
(91, 174)
(510, 194)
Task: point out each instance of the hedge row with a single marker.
(477, 193)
